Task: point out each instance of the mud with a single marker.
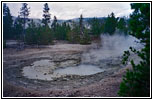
(61, 56)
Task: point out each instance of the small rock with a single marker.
(64, 79)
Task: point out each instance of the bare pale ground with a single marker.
(107, 87)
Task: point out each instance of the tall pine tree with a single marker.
(81, 26)
(7, 22)
(111, 23)
(46, 15)
(84, 37)
(54, 24)
(18, 28)
(24, 13)
(121, 25)
(96, 27)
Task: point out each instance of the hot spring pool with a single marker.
(79, 70)
(46, 70)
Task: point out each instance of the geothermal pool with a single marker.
(112, 47)
(79, 70)
(45, 70)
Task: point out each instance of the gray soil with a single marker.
(102, 84)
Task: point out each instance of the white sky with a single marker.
(69, 10)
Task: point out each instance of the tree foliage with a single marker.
(54, 24)
(81, 26)
(121, 25)
(24, 13)
(17, 28)
(32, 34)
(110, 24)
(84, 37)
(44, 36)
(136, 82)
(62, 31)
(73, 35)
(40, 35)
(96, 27)
(46, 15)
(7, 22)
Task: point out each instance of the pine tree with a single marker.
(54, 24)
(31, 36)
(96, 26)
(24, 13)
(46, 33)
(84, 37)
(7, 22)
(46, 15)
(81, 26)
(110, 24)
(136, 82)
(121, 25)
(18, 28)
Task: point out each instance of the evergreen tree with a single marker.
(24, 13)
(84, 37)
(44, 35)
(81, 26)
(54, 24)
(31, 36)
(17, 28)
(7, 22)
(96, 27)
(110, 24)
(73, 35)
(46, 15)
(136, 82)
(121, 25)
(61, 31)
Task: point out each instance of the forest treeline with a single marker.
(74, 32)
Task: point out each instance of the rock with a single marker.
(64, 79)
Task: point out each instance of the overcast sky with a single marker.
(69, 10)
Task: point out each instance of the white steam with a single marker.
(111, 46)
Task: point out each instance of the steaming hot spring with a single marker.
(69, 65)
